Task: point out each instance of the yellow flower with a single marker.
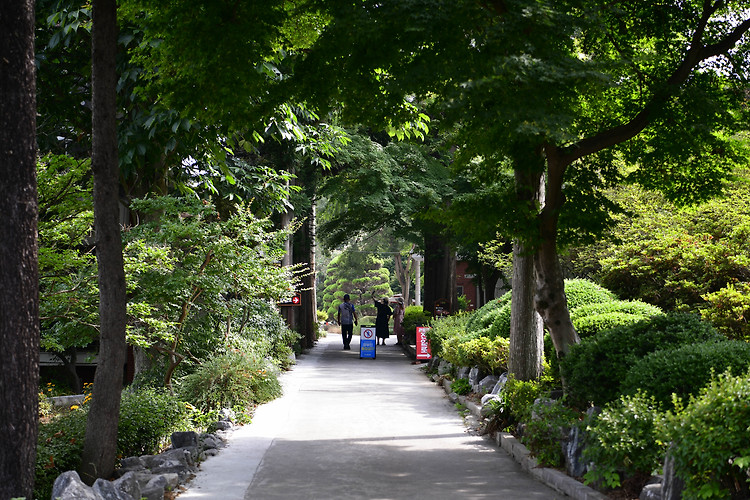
(74, 407)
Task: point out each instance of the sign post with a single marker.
(423, 344)
(367, 342)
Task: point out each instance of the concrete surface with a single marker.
(350, 428)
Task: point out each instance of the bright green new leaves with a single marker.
(193, 276)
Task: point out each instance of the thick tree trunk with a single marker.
(19, 276)
(100, 447)
(526, 332)
(439, 275)
(550, 291)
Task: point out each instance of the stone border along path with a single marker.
(371, 429)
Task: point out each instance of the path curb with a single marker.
(553, 478)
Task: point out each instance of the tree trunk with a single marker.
(19, 275)
(439, 275)
(307, 318)
(100, 447)
(403, 273)
(550, 290)
(526, 332)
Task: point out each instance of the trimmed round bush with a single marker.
(685, 370)
(580, 292)
(591, 325)
(634, 307)
(485, 315)
(711, 444)
(594, 369)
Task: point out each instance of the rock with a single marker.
(463, 372)
(173, 480)
(155, 488)
(652, 489)
(474, 376)
(487, 384)
(129, 485)
(444, 367)
(68, 486)
(221, 425)
(500, 384)
(106, 490)
(672, 486)
(575, 466)
(228, 414)
(489, 397)
(209, 443)
(538, 402)
(184, 439)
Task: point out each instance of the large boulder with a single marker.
(68, 486)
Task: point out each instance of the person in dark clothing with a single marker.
(346, 316)
(381, 320)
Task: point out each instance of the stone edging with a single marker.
(555, 479)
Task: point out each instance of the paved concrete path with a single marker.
(350, 428)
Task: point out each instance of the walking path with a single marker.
(350, 428)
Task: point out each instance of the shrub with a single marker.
(321, 316)
(414, 316)
(685, 370)
(729, 311)
(634, 307)
(711, 444)
(490, 355)
(622, 440)
(520, 395)
(461, 386)
(545, 432)
(59, 448)
(444, 328)
(228, 380)
(268, 335)
(594, 369)
(581, 292)
(148, 418)
(588, 326)
(484, 316)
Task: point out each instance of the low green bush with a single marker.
(729, 310)
(228, 380)
(519, 396)
(594, 369)
(710, 439)
(461, 386)
(545, 433)
(588, 326)
(444, 328)
(685, 370)
(581, 292)
(622, 441)
(635, 307)
(490, 355)
(148, 417)
(414, 316)
(485, 315)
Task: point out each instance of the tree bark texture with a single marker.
(100, 447)
(439, 274)
(304, 253)
(526, 331)
(19, 275)
(403, 273)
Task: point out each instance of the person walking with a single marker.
(346, 316)
(398, 321)
(381, 320)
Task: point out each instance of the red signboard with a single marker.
(423, 344)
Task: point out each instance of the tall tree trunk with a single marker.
(439, 274)
(304, 253)
(100, 446)
(526, 331)
(550, 287)
(19, 275)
